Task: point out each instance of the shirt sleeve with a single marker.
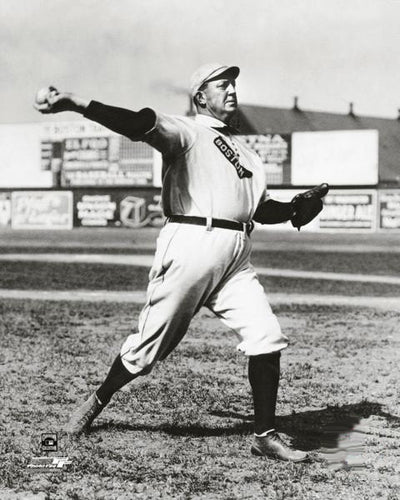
(171, 135)
(123, 121)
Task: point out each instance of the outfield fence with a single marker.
(345, 209)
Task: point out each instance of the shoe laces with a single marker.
(275, 436)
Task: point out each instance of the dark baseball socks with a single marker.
(117, 377)
(264, 372)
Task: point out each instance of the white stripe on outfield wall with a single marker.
(387, 303)
(147, 260)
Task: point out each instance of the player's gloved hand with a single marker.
(306, 206)
(50, 100)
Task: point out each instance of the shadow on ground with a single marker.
(309, 430)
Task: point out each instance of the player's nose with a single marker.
(231, 89)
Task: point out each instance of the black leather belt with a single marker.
(203, 221)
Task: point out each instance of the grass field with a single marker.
(185, 430)
(64, 276)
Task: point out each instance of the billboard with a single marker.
(41, 209)
(118, 208)
(87, 154)
(20, 153)
(389, 209)
(340, 157)
(105, 161)
(274, 151)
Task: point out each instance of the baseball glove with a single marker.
(306, 206)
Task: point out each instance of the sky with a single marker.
(137, 53)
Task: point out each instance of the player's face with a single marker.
(221, 98)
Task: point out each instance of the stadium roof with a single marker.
(266, 120)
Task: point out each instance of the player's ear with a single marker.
(200, 99)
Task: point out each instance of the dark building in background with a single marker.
(267, 120)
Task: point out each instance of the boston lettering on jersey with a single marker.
(230, 155)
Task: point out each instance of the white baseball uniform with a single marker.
(206, 173)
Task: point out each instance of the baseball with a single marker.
(42, 94)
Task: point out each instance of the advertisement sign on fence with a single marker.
(349, 210)
(128, 208)
(95, 210)
(344, 209)
(41, 209)
(389, 209)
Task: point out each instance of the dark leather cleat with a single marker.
(83, 417)
(273, 446)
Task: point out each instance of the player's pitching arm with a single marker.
(162, 132)
(129, 123)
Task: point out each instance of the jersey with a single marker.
(207, 171)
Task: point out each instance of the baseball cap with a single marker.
(209, 72)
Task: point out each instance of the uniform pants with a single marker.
(195, 267)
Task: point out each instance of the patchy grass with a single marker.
(379, 263)
(184, 431)
(73, 276)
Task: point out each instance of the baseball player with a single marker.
(214, 187)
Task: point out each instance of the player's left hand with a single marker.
(307, 205)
